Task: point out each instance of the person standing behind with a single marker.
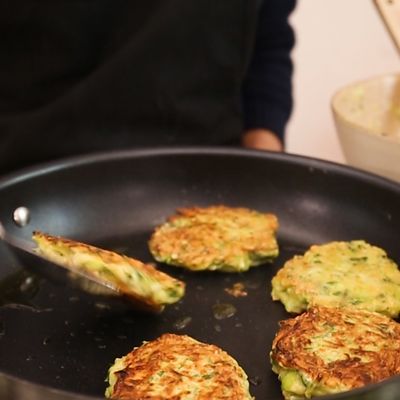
(84, 76)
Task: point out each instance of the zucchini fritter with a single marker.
(330, 350)
(340, 274)
(138, 281)
(177, 367)
(216, 238)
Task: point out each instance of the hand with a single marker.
(261, 139)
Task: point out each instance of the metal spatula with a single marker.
(40, 265)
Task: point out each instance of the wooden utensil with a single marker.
(389, 11)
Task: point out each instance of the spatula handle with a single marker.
(389, 11)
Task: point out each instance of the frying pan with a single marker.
(57, 342)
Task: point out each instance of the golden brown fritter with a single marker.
(177, 367)
(331, 350)
(216, 238)
(352, 273)
(138, 281)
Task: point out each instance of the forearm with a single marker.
(267, 90)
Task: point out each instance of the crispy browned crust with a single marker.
(215, 237)
(113, 259)
(371, 342)
(172, 364)
(339, 274)
(106, 255)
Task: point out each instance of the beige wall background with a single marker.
(338, 42)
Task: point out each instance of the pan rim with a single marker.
(112, 155)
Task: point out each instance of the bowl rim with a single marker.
(348, 121)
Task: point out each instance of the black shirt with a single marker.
(83, 75)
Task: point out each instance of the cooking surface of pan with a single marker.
(57, 342)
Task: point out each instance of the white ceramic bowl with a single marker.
(367, 118)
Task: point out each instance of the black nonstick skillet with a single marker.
(57, 342)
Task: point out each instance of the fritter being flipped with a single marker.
(140, 282)
(340, 274)
(177, 367)
(329, 350)
(216, 238)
